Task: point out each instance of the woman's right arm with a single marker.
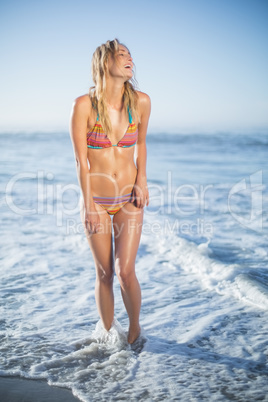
(78, 129)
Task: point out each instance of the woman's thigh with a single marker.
(100, 243)
(127, 225)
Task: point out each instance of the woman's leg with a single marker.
(127, 232)
(101, 247)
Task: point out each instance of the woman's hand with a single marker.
(140, 193)
(90, 219)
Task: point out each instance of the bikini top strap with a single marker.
(129, 115)
(95, 108)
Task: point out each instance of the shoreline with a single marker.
(17, 389)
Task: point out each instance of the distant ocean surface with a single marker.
(202, 265)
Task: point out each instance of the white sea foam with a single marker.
(227, 279)
(204, 297)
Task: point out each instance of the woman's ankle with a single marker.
(133, 333)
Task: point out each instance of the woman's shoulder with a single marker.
(144, 102)
(143, 97)
(83, 102)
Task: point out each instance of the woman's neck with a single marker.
(114, 94)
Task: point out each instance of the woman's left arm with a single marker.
(140, 191)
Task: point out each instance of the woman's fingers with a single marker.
(132, 197)
(92, 224)
(140, 198)
(93, 229)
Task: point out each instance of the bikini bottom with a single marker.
(112, 204)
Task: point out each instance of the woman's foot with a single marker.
(133, 334)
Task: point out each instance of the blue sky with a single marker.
(204, 63)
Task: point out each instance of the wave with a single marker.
(226, 279)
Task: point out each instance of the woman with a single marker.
(107, 126)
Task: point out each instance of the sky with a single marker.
(204, 63)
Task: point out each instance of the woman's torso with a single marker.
(111, 158)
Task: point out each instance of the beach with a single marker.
(202, 266)
(22, 390)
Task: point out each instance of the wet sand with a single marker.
(15, 389)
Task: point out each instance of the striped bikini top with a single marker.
(97, 139)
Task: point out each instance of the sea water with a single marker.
(202, 265)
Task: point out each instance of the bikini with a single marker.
(98, 139)
(112, 204)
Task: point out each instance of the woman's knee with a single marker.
(125, 273)
(104, 275)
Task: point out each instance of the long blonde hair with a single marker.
(97, 93)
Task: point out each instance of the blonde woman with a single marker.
(107, 126)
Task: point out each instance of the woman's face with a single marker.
(120, 64)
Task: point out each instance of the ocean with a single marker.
(202, 266)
